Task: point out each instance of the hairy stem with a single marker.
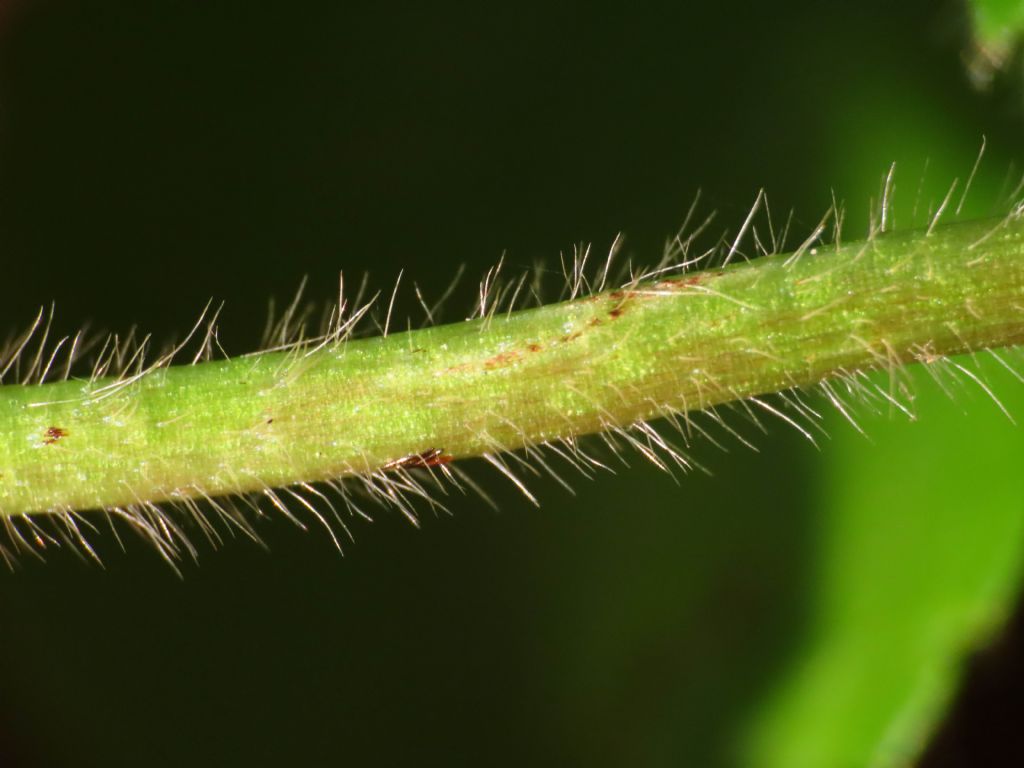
(425, 397)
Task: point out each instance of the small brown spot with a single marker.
(678, 283)
(594, 321)
(270, 420)
(617, 295)
(501, 360)
(694, 279)
(53, 434)
(571, 337)
(430, 458)
(535, 347)
(438, 459)
(617, 312)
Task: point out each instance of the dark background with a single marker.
(153, 155)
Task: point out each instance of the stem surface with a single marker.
(425, 397)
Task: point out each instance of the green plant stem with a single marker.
(428, 396)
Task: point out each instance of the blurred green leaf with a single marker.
(998, 22)
(998, 31)
(919, 555)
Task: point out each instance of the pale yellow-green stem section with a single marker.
(430, 396)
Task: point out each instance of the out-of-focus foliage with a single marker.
(914, 570)
(998, 34)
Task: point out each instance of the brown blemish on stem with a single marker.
(433, 457)
(621, 299)
(501, 360)
(53, 434)
(677, 283)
